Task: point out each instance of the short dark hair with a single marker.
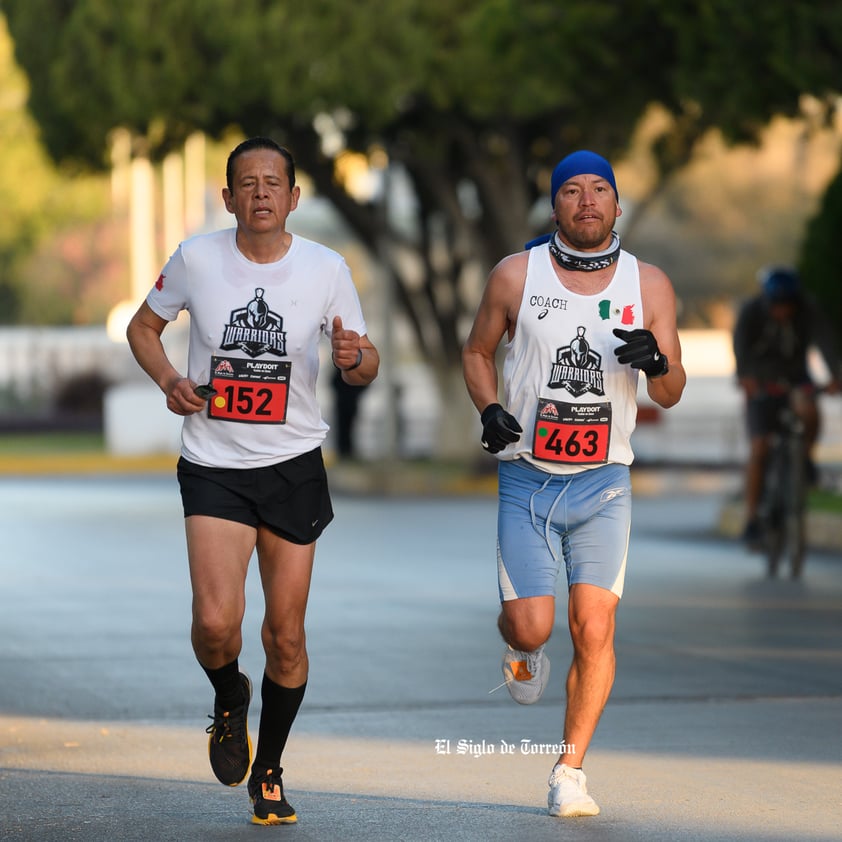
(259, 143)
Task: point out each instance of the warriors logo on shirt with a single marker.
(255, 329)
(577, 368)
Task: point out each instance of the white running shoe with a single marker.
(526, 674)
(568, 795)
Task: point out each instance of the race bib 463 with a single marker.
(577, 433)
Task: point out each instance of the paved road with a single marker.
(724, 724)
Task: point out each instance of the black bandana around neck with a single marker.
(584, 261)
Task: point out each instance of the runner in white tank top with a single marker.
(562, 382)
(581, 318)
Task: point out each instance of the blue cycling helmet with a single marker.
(779, 284)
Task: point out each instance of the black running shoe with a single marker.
(268, 802)
(229, 746)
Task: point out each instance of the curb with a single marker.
(46, 464)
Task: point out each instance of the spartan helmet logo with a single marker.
(257, 310)
(577, 367)
(255, 329)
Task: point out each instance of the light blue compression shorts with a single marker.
(542, 519)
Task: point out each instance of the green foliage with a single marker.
(819, 264)
(39, 201)
(825, 500)
(163, 67)
(464, 96)
(743, 62)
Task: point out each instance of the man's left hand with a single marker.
(641, 351)
(345, 345)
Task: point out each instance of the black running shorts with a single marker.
(291, 498)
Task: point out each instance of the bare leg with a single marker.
(755, 469)
(806, 407)
(218, 552)
(591, 615)
(285, 569)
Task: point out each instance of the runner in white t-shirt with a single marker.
(251, 471)
(580, 318)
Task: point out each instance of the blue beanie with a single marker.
(580, 163)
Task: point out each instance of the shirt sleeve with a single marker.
(168, 296)
(345, 303)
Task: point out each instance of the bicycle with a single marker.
(783, 503)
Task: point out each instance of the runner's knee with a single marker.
(525, 631)
(592, 633)
(284, 645)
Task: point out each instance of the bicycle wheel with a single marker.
(772, 510)
(794, 505)
(773, 546)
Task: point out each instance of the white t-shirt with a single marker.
(576, 404)
(254, 332)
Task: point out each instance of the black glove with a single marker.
(641, 351)
(498, 428)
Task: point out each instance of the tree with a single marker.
(472, 101)
(40, 207)
(818, 263)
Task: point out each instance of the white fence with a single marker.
(35, 362)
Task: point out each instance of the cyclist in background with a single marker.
(773, 334)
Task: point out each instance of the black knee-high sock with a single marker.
(227, 685)
(280, 706)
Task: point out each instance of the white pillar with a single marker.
(172, 173)
(144, 262)
(121, 155)
(195, 182)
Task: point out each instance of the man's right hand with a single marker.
(182, 398)
(499, 428)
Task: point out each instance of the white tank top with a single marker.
(577, 405)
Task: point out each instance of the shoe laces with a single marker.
(225, 726)
(533, 660)
(525, 668)
(266, 784)
(565, 776)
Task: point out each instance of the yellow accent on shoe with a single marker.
(272, 819)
